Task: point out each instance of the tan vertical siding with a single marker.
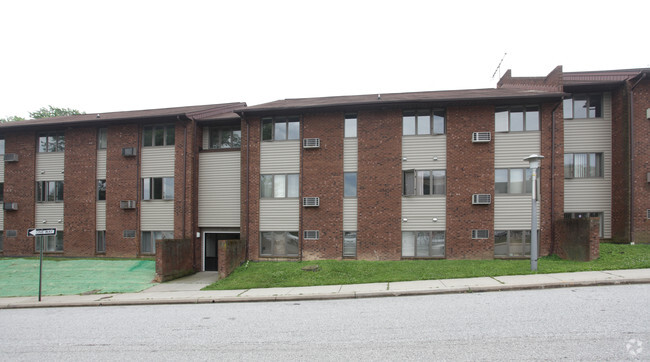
(158, 161)
(279, 214)
(513, 212)
(350, 214)
(219, 189)
(350, 154)
(101, 164)
(51, 212)
(49, 166)
(424, 152)
(420, 212)
(157, 215)
(100, 215)
(206, 138)
(2, 168)
(280, 157)
(510, 149)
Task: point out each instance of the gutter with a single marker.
(631, 182)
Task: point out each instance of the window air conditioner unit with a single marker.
(647, 114)
(127, 204)
(481, 199)
(11, 206)
(11, 157)
(311, 143)
(128, 152)
(310, 234)
(310, 201)
(480, 234)
(481, 137)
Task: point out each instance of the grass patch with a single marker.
(334, 272)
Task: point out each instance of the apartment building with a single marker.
(378, 177)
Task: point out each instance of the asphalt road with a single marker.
(591, 323)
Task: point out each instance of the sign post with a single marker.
(40, 232)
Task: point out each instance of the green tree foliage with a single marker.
(53, 112)
(11, 119)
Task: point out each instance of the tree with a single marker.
(53, 112)
(11, 119)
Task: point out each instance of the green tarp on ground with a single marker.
(19, 276)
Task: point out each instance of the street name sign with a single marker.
(37, 232)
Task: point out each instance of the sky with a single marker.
(129, 55)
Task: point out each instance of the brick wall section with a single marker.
(250, 217)
(470, 170)
(551, 175)
(173, 259)
(641, 199)
(322, 176)
(379, 180)
(122, 183)
(80, 191)
(577, 239)
(20, 187)
(230, 255)
(620, 165)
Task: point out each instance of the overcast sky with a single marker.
(128, 55)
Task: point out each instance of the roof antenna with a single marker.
(499, 66)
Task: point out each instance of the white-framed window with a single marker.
(51, 142)
(148, 240)
(280, 128)
(583, 165)
(349, 243)
(516, 119)
(583, 106)
(350, 125)
(100, 241)
(279, 243)
(51, 243)
(225, 137)
(102, 138)
(589, 214)
(514, 181)
(159, 135)
(158, 188)
(424, 182)
(101, 190)
(423, 122)
(349, 184)
(423, 244)
(49, 191)
(512, 243)
(280, 186)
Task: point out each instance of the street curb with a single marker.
(330, 296)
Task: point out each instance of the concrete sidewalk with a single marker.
(187, 290)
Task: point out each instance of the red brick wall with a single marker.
(620, 165)
(641, 163)
(322, 176)
(577, 239)
(230, 254)
(470, 169)
(379, 180)
(20, 187)
(173, 259)
(551, 175)
(250, 188)
(80, 191)
(122, 183)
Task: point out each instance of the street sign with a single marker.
(36, 232)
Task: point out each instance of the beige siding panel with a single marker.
(2, 220)
(420, 212)
(158, 162)
(101, 164)
(607, 106)
(219, 189)
(513, 212)
(350, 214)
(157, 215)
(424, 152)
(51, 212)
(279, 214)
(49, 166)
(350, 154)
(280, 157)
(510, 149)
(206, 138)
(590, 195)
(100, 215)
(2, 168)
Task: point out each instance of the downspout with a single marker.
(553, 175)
(631, 182)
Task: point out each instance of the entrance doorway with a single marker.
(211, 248)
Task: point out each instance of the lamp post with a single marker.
(534, 162)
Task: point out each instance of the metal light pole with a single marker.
(534, 161)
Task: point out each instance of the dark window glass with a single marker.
(267, 129)
(169, 135)
(101, 189)
(147, 135)
(350, 184)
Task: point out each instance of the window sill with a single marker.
(149, 200)
(296, 139)
(210, 150)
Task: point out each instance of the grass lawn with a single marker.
(289, 274)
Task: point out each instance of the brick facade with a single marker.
(641, 163)
(620, 165)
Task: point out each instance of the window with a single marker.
(2, 146)
(423, 244)
(101, 241)
(583, 106)
(514, 181)
(516, 119)
(158, 136)
(51, 142)
(148, 241)
(423, 121)
(350, 243)
(350, 126)
(583, 165)
(158, 188)
(222, 138)
(279, 186)
(51, 243)
(350, 184)
(102, 140)
(49, 191)
(582, 215)
(280, 128)
(424, 183)
(512, 243)
(101, 190)
(279, 243)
